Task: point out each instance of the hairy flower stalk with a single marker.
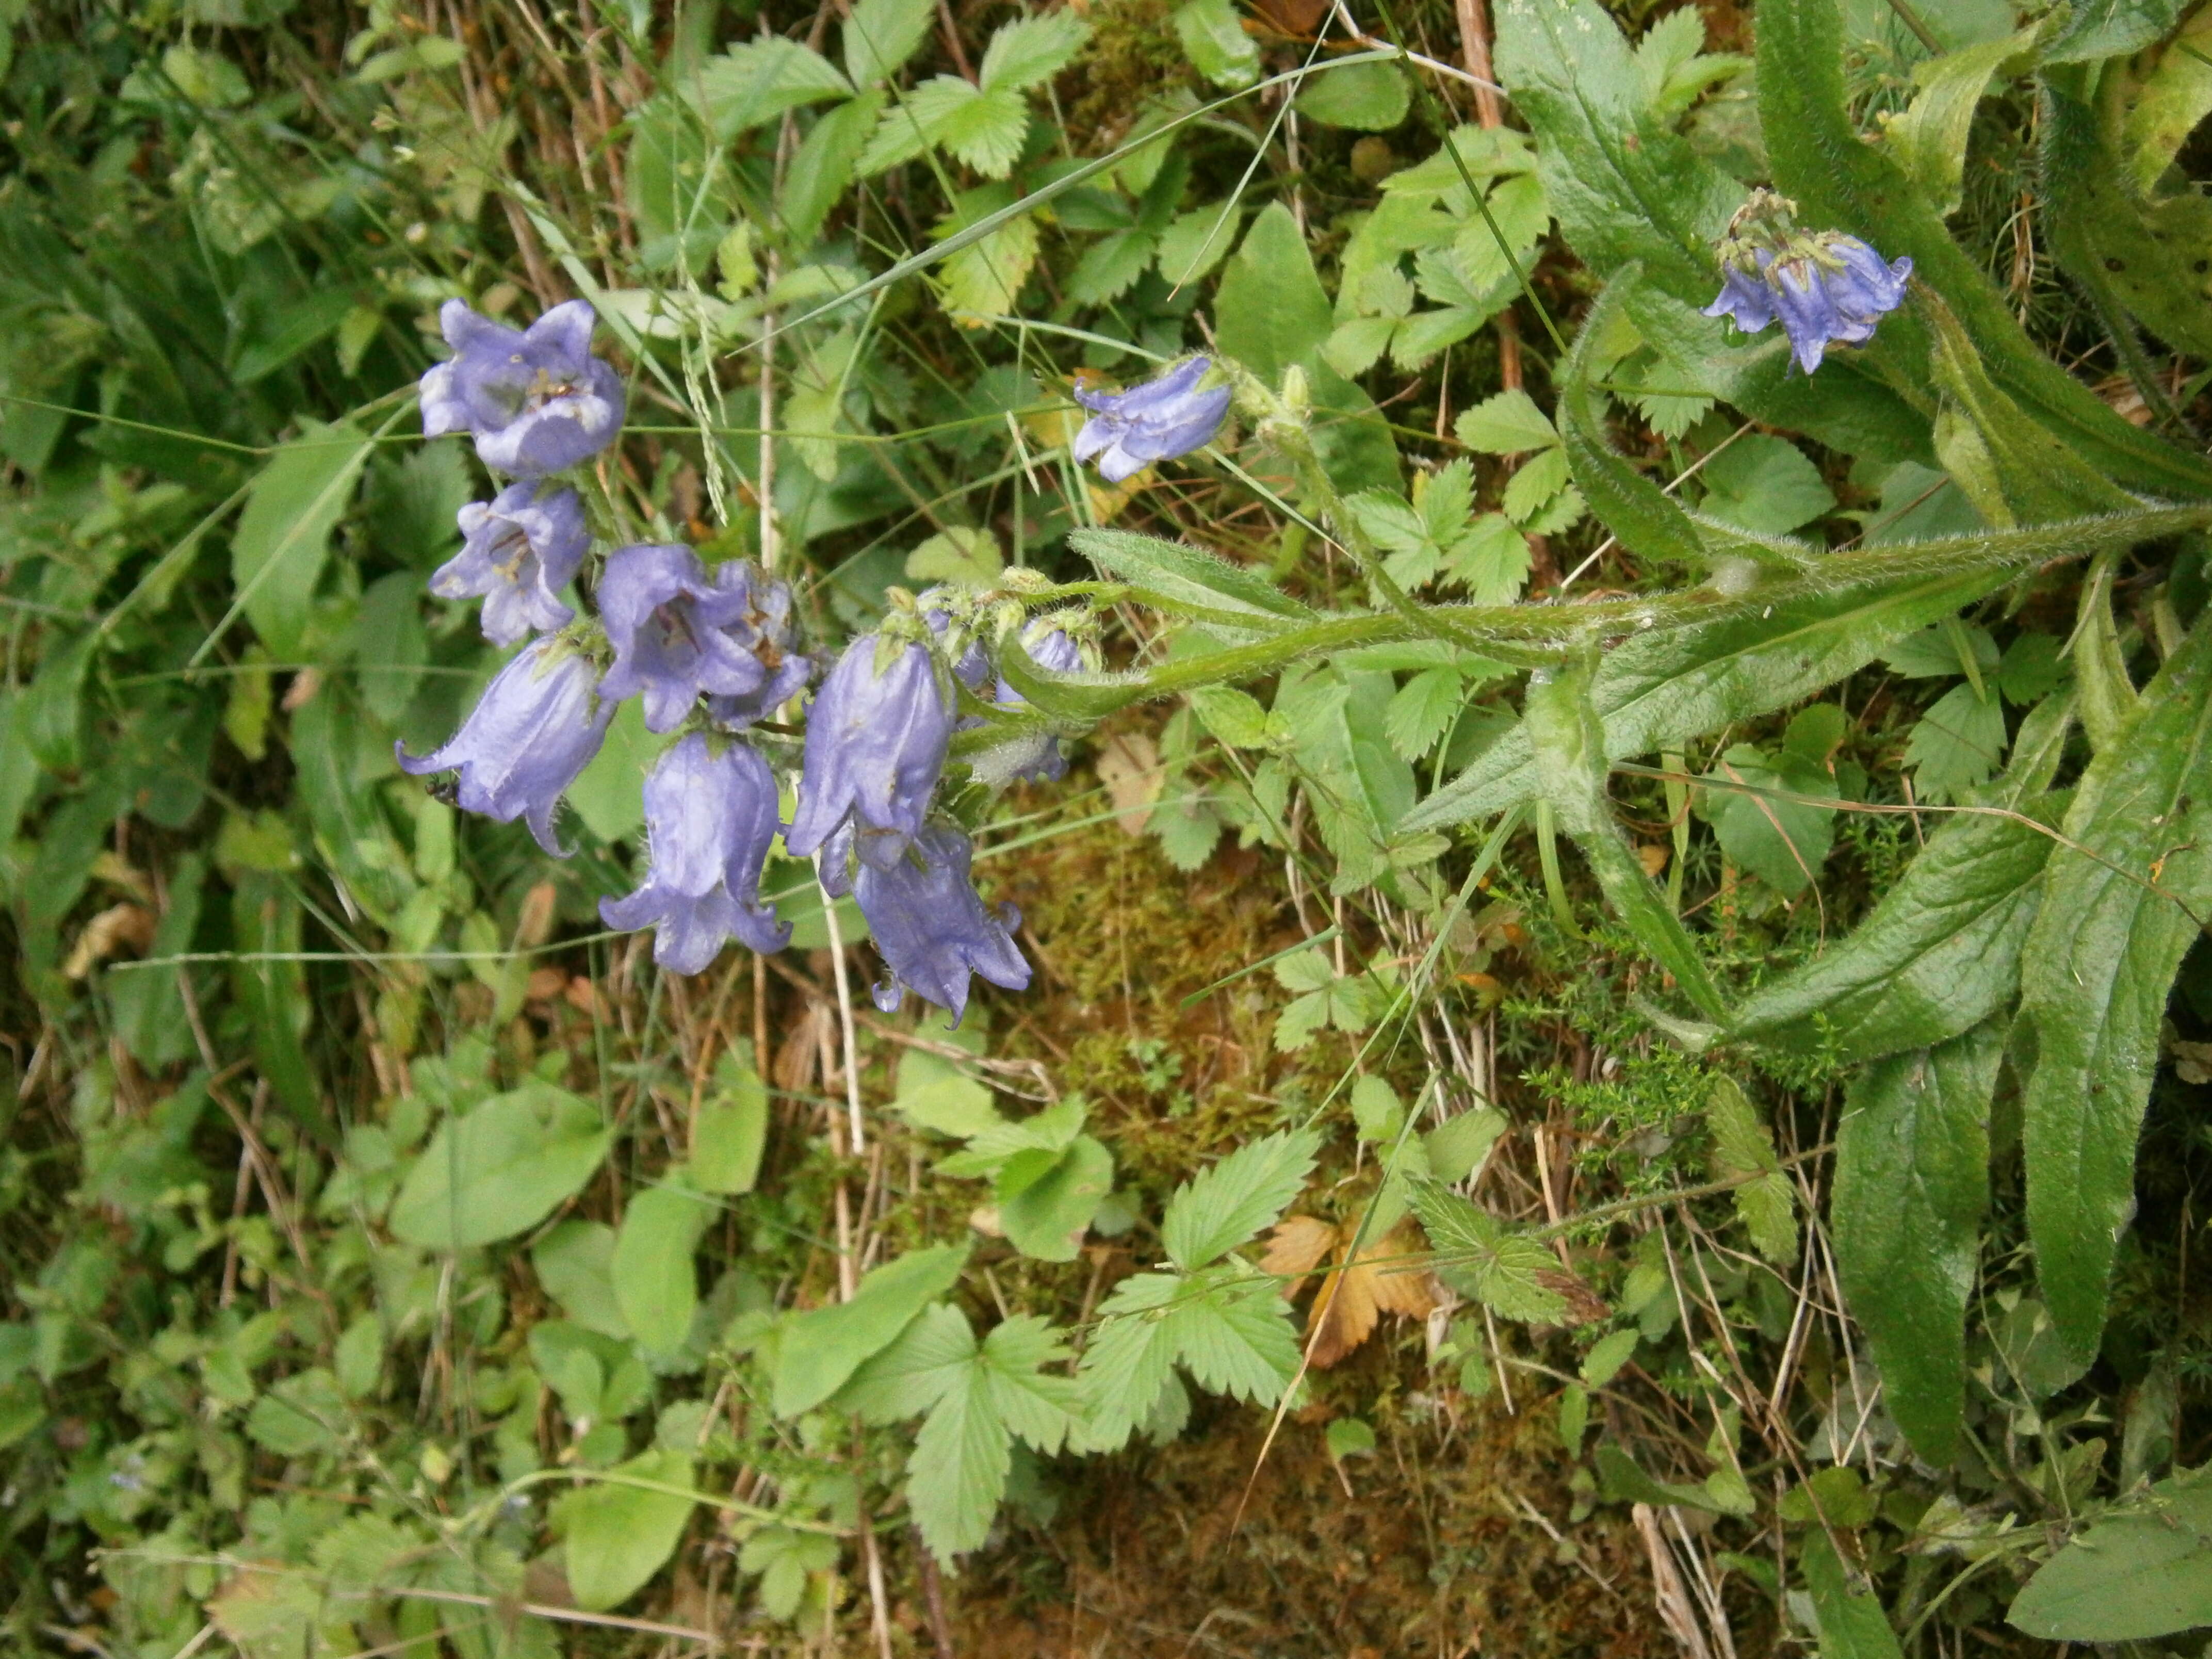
(1823, 285)
(876, 741)
(709, 817)
(536, 399)
(1034, 757)
(518, 551)
(537, 726)
(1167, 417)
(678, 633)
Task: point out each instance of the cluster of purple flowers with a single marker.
(710, 654)
(1823, 286)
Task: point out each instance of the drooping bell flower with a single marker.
(1035, 758)
(766, 628)
(537, 726)
(709, 820)
(678, 632)
(536, 399)
(876, 740)
(1824, 285)
(1165, 417)
(931, 928)
(519, 551)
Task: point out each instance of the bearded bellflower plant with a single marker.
(536, 400)
(710, 813)
(876, 743)
(519, 551)
(1170, 415)
(1824, 285)
(537, 726)
(711, 653)
(678, 633)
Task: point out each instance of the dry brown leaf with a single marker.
(1296, 1247)
(1584, 1305)
(111, 931)
(1128, 764)
(1351, 1299)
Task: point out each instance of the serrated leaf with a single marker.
(1130, 1359)
(1476, 1256)
(1911, 1184)
(915, 1371)
(1743, 1151)
(1956, 745)
(1234, 1334)
(1533, 483)
(2094, 977)
(1507, 423)
(1032, 49)
(1222, 1208)
(1422, 710)
(1234, 717)
(757, 80)
(880, 35)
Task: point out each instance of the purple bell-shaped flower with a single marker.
(931, 928)
(1825, 285)
(537, 726)
(709, 820)
(519, 551)
(876, 741)
(1166, 417)
(678, 632)
(536, 399)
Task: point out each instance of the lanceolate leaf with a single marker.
(1189, 581)
(2132, 1576)
(1571, 770)
(1940, 953)
(1659, 690)
(1913, 1154)
(2135, 257)
(2111, 932)
(1842, 182)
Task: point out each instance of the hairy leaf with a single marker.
(1912, 1153)
(2117, 917)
